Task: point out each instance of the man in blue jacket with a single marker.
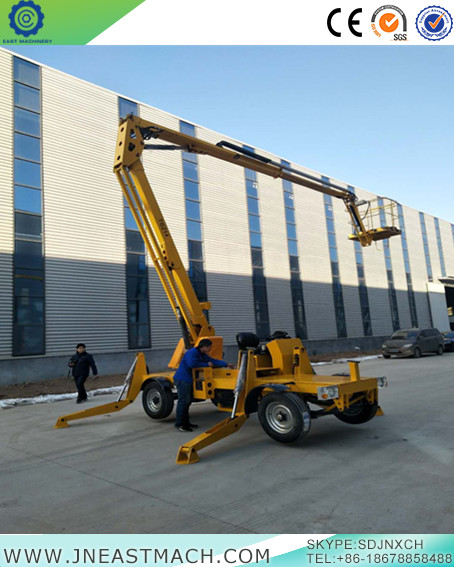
(197, 357)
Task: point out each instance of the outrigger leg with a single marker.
(133, 385)
(187, 454)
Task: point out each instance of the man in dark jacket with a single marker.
(81, 362)
(197, 357)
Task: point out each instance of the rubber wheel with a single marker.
(357, 413)
(417, 353)
(284, 416)
(157, 401)
(386, 356)
(440, 350)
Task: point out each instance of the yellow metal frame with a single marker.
(284, 363)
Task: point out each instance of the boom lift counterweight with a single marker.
(275, 379)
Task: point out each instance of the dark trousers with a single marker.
(80, 381)
(184, 390)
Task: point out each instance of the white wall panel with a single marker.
(83, 217)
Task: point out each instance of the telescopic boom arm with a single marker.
(133, 134)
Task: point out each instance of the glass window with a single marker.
(28, 287)
(191, 190)
(28, 340)
(194, 230)
(200, 288)
(29, 226)
(333, 254)
(137, 288)
(193, 210)
(189, 156)
(260, 294)
(292, 248)
(330, 226)
(255, 239)
(136, 264)
(130, 221)
(27, 173)
(134, 242)
(254, 223)
(195, 250)
(258, 277)
(28, 255)
(332, 240)
(188, 129)
(261, 310)
(251, 188)
(360, 270)
(291, 231)
(257, 258)
(139, 336)
(26, 121)
(190, 171)
(138, 311)
(290, 216)
(288, 200)
(26, 199)
(251, 175)
(26, 72)
(126, 107)
(253, 206)
(294, 264)
(196, 271)
(27, 147)
(26, 97)
(29, 310)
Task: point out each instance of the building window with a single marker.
(411, 293)
(296, 286)
(262, 318)
(196, 271)
(426, 247)
(29, 294)
(389, 272)
(362, 287)
(440, 247)
(338, 297)
(137, 291)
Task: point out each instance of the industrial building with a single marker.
(267, 255)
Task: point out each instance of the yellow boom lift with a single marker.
(274, 379)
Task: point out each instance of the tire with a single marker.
(440, 350)
(157, 401)
(361, 412)
(417, 352)
(386, 356)
(284, 416)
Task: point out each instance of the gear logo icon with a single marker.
(26, 18)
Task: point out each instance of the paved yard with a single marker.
(118, 474)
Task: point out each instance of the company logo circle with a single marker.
(434, 23)
(26, 18)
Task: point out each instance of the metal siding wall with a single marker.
(165, 174)
(315, 264)
(6, 204)
(83, 212)
(417, 264)
(448, 246)
(226, 240)
(433, 246)
(347, 268)
(400, 282)
(275, 253)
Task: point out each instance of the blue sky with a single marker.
(380, 118)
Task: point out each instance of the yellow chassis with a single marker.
(283, 365)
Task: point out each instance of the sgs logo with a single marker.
(390, 23)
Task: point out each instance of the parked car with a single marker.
(449, 341)
(413, 342)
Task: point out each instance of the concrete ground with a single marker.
(117, 474)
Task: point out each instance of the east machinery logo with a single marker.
(390, 23)
(26, 19)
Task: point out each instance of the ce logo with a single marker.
(351, 22)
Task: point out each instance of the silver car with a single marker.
(413, 342)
